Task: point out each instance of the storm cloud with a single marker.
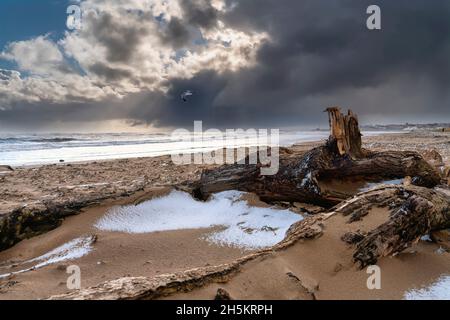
(257, 63)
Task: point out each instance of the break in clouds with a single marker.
(248, 62)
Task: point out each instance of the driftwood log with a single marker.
(414, 212)
(303, 178)
(415, 208)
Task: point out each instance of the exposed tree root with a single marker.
(414, 212)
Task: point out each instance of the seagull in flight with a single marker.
(185, 95)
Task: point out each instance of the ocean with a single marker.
(37, 149)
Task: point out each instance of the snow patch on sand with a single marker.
(72, 250)
(243, 226)
(439, 290)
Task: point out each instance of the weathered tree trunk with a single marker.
(345, 133)
(414, 212)
(300, 178)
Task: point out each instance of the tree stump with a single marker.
(345, 134)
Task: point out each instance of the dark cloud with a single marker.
(320, 54)
(107, 72)
(118, 38)
(176, 34)
(180, 32)
(199, 13)
(320, 46)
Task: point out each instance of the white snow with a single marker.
(72, 250)
(306, 179)
(426, 238)
(439, 290)
(243, 226)
(371, 185)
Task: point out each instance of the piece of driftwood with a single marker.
(301, 178)
(414, 212)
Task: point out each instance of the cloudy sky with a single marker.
(260, 63)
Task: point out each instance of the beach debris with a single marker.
(222, 294)
(308, 177)
(414, 212)
(352, 237)
(185, 95)
(36, 218)
(433, 157)
(145, 288)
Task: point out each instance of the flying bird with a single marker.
(185, 95)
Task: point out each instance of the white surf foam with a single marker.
(439, 290)
(245, 226)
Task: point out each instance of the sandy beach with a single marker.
(224, 150)
(82, 193)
